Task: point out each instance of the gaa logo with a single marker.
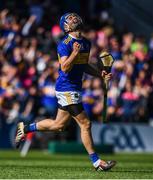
(122, 137)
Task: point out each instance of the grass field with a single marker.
(43, 165)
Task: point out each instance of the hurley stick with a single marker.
(107, 61)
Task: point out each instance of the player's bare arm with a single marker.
(67, 62)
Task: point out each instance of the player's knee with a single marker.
(86, 125)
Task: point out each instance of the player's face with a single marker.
(74, 22)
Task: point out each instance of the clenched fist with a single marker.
(76, 48)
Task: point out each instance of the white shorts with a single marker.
(69, 97)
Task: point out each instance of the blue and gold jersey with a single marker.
(72, 80)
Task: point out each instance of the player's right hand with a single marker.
(76, 48)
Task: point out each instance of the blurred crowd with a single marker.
(29, 69)
(130, 97)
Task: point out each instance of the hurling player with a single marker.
(73, 53)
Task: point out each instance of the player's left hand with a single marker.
(106, 76)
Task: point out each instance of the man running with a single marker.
(73, 53)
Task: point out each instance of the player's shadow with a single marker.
(134, 171)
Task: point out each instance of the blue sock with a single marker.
(30, 128)
(94, 157)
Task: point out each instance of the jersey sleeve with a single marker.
(63, 50)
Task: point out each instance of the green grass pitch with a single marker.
(40, 165)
